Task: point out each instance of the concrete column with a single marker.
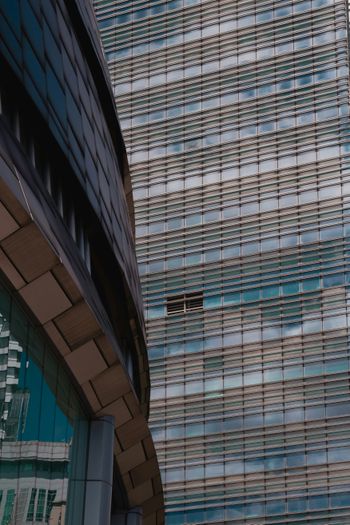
(99, 480)
(127, 517)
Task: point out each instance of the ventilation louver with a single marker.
(180, 304)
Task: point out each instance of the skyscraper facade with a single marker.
(236, 121)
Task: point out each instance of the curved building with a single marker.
(75, 446)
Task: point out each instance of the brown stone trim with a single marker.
(45, 285)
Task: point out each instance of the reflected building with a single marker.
(75, 446)
(236, 119)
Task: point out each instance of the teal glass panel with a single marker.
(275, 507)
(273, 374)
(318, 502)
(195, 429)
(314, 412)
(212, 342)
(215, 515)
(293, 372)
(43, 428)
(174, 262)
(212, 301)
(297, 505)
(234, 511)
(195, 516)
(175, 518)
(341, 499)
(251, 295)
(175, 348)
(290, 288)
(155, 312)
(313, 369)
(316, 458)
(196, 345)
(311, 284)
(336, 365)
(231, 298)
(333, 280)
(270, 291)
(193, 259)
(339, 454)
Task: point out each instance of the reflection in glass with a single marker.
(39, 418)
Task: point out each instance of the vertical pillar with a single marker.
(127, 517)
(99, 480)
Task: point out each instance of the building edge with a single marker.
(77, 312)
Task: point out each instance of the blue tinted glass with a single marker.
(34, 67)
(254, 509)
(231, 298)
(270, 291)
(333, 280)
(41, 411)
(297, 504)
(195, 516)
(311, 284)
(212, 301)
(296, 460)
(195, 429)
(275, 507)
(290, 288)
(11, 11)
(194, 346)
(234, 511)
(32, 27)
(215, 514)
(251, 295)
(340, 500)
(318, 502)
(175, 518)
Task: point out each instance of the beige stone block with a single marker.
(45, 297)
(8, 224)
(67, 283)
(78, 325)
(132, 432)
(153, 504)
(56, 338)
(161, 516)
(29, 252)
(111, 384)
(132, 403)
(117, 448)
(140, 494)
(13, 205)
(91, 397)
(147, 470)
(127, 482)
(119, 410)
(131, 457)
(86, 362)
(106, 348)
(151, 519)
(149, 446)
(11, 271)
(157, 485)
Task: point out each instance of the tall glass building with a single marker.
(236, 120)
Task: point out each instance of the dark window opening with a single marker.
(185, 303)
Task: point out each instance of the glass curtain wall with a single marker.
(236, 120)
(40, 420)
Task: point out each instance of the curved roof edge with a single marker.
(53, 296)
